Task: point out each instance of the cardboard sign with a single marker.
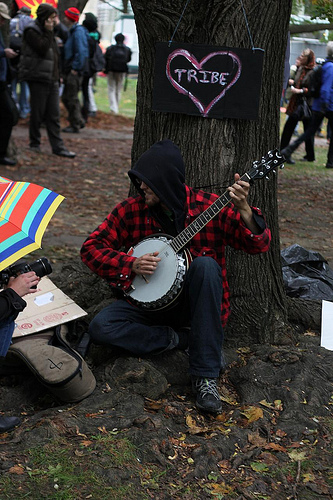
(207, 81)
(46, 308)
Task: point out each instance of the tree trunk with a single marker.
(213, 149)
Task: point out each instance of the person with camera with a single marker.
(11, 304)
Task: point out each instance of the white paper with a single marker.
(327, 325)
(46, 298)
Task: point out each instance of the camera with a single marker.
(42, 267)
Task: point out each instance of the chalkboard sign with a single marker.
(207, 81)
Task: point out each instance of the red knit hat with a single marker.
(72, 13)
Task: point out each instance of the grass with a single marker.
(67, 470)
(101, 467)
(127, 105)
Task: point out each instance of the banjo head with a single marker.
(166, 282)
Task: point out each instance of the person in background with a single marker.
(76, 57)
(299, 88)
(16, 28)
(322, 107)
(11, 303)
(116, 58)
(7, 116)
(96, 63)
(39, 66)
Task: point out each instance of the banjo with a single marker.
(161, 289)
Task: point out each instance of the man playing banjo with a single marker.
(168, 274)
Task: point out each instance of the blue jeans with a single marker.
(6, 333)
(23, 101)
(151, 332)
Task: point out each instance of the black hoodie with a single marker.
(162, 169)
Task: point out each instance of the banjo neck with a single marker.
(181, 240)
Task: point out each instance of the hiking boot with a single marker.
(208, 398)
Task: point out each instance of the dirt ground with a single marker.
(273, 439)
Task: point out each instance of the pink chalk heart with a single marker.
(204, 110)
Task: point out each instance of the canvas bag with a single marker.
(55, 364)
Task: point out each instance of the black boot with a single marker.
(8, 423)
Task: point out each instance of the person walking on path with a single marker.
(7, 115)
(322, 106)
(76, 55)
(39, 66)
(299, 89)
(116, 59)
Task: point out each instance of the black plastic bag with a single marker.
(306, 274)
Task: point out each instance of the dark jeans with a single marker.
(6, 333)
(316, 120)
(6, 119)
(70, 98)
(85, 97)
(287, 133)
(44, 103)
(145, 332)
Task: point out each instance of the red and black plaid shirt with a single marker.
(104, 251)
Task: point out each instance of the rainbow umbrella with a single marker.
(25, 211)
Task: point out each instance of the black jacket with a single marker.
(40, 55)
(10, 304)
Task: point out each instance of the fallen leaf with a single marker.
(278, 404)
(252, 413)
(194, 428)
(16, 469)
(86, 443)
(308, 477)
(258, 467)
(268, 458)
(256, 440)
(279, 433)
(174, 457)
(275, 447)
(220, 488)
(150, 404)
(297, 456)
(78, 453)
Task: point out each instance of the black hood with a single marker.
(162, 169)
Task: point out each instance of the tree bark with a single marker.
(213, 149)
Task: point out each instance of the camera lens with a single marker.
(42, 267)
